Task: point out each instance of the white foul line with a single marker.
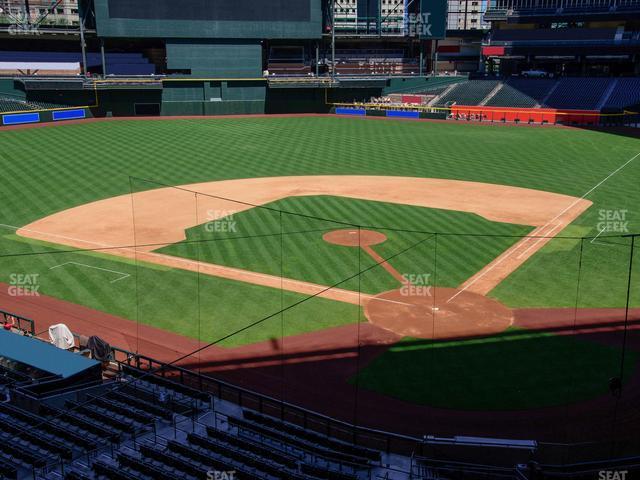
(176, 259)
(547, 234)
(552, 220)
(123, 275)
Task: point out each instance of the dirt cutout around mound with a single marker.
(163, 214)
(354, 238)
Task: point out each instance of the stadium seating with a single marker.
(472, 92)
(523, 93)
(573, 93)
(9, 104)
(375, 62)
(578, 93)
(12, 105)
(626, 93)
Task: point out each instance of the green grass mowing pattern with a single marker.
(301, 253)
(516, 370)
(200, 307)
(46, 170)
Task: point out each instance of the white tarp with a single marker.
(72, 66)
(61, 336)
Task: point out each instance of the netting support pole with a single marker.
(626, 308)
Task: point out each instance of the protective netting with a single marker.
(312, 301)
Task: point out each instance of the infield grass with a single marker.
(292, 246)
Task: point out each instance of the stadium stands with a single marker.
(472, 92)
(578, 93)
(145, 426)
(522, 93)
(574, 93)
(9, 104)
(626, 93)
(375, 62)
(289, 61)
(12, 105)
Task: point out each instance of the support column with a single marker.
(104, 62)
(83, 46)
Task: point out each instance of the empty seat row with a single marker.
(168, 384)
(294, 441)
(254, 447)
(113, 472)
(312, 436)
(146, 404)
(207, 459)
(578, 93)
(64, 418)
(8, 471)
(23, 453)
(257, 462)
(151, 468)
(57, 428)
(105, 416)
(124, 409)
(626, 93)
(41, 439)
(469, 93)
(284, 459)
(165, 456)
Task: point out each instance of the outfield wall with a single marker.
(526, 115)
(190, 98)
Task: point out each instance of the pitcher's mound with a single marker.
(351, 238)
(423, 312)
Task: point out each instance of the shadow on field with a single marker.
(551, 383)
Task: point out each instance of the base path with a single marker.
(162, 215)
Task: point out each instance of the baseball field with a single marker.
(436, 270)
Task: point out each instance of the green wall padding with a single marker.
(216, 59)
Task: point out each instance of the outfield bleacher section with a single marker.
(578, 93)
(626, 93)
(9, 104)
(472, 92)
(524, 93)
(573, 93)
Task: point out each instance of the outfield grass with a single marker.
(201, 307)
(512, 371)
(46, 170)
(256, 244)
